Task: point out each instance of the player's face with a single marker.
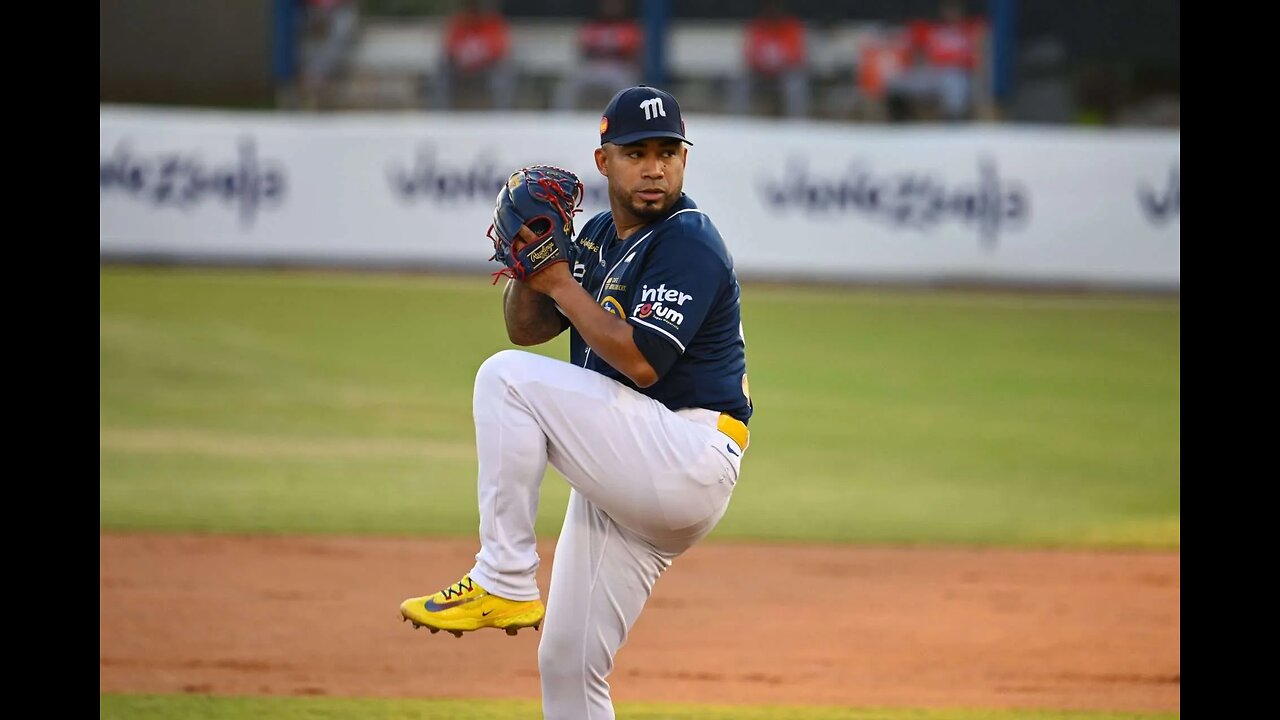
(645, 178)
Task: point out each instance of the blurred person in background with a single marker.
(883, 56)
(477, 51)
(945, 54)
(329, 31)
(609, 47)
(775, 54)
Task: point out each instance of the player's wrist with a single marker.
(556, 281)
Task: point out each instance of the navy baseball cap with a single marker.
(641, 112)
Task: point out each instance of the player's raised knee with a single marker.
(502, 367)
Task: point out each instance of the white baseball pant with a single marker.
(647, 483)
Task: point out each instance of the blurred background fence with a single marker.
(1081, 62)
(1005, 141)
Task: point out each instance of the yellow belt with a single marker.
(734, 428)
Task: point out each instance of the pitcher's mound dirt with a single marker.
(728, 623)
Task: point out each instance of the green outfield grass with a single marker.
(204, 707)
(340, 403)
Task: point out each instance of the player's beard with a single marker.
(644, 210)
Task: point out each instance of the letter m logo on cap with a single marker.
(653, 108)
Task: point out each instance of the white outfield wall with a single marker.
(817, 200)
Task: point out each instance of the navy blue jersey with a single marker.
(673, 280)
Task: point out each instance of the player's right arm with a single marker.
(531, 317)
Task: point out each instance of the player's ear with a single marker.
(602, 164)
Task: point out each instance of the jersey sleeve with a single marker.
(676, 290)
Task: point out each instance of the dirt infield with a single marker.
(728, 623)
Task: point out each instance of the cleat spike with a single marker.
(512, 631)
(435, 630)
(535, 625)
(456, 633)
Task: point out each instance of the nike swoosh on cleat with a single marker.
(729, 447)
(433, 606)
(485, 613)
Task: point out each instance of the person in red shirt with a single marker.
(775, 56)
(609, 47)
(477, 50)
(946, 55)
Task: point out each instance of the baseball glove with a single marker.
(544, 199)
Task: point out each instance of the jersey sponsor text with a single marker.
(672, 316)
(661, 292)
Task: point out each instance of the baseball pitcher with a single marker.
(647, 420)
